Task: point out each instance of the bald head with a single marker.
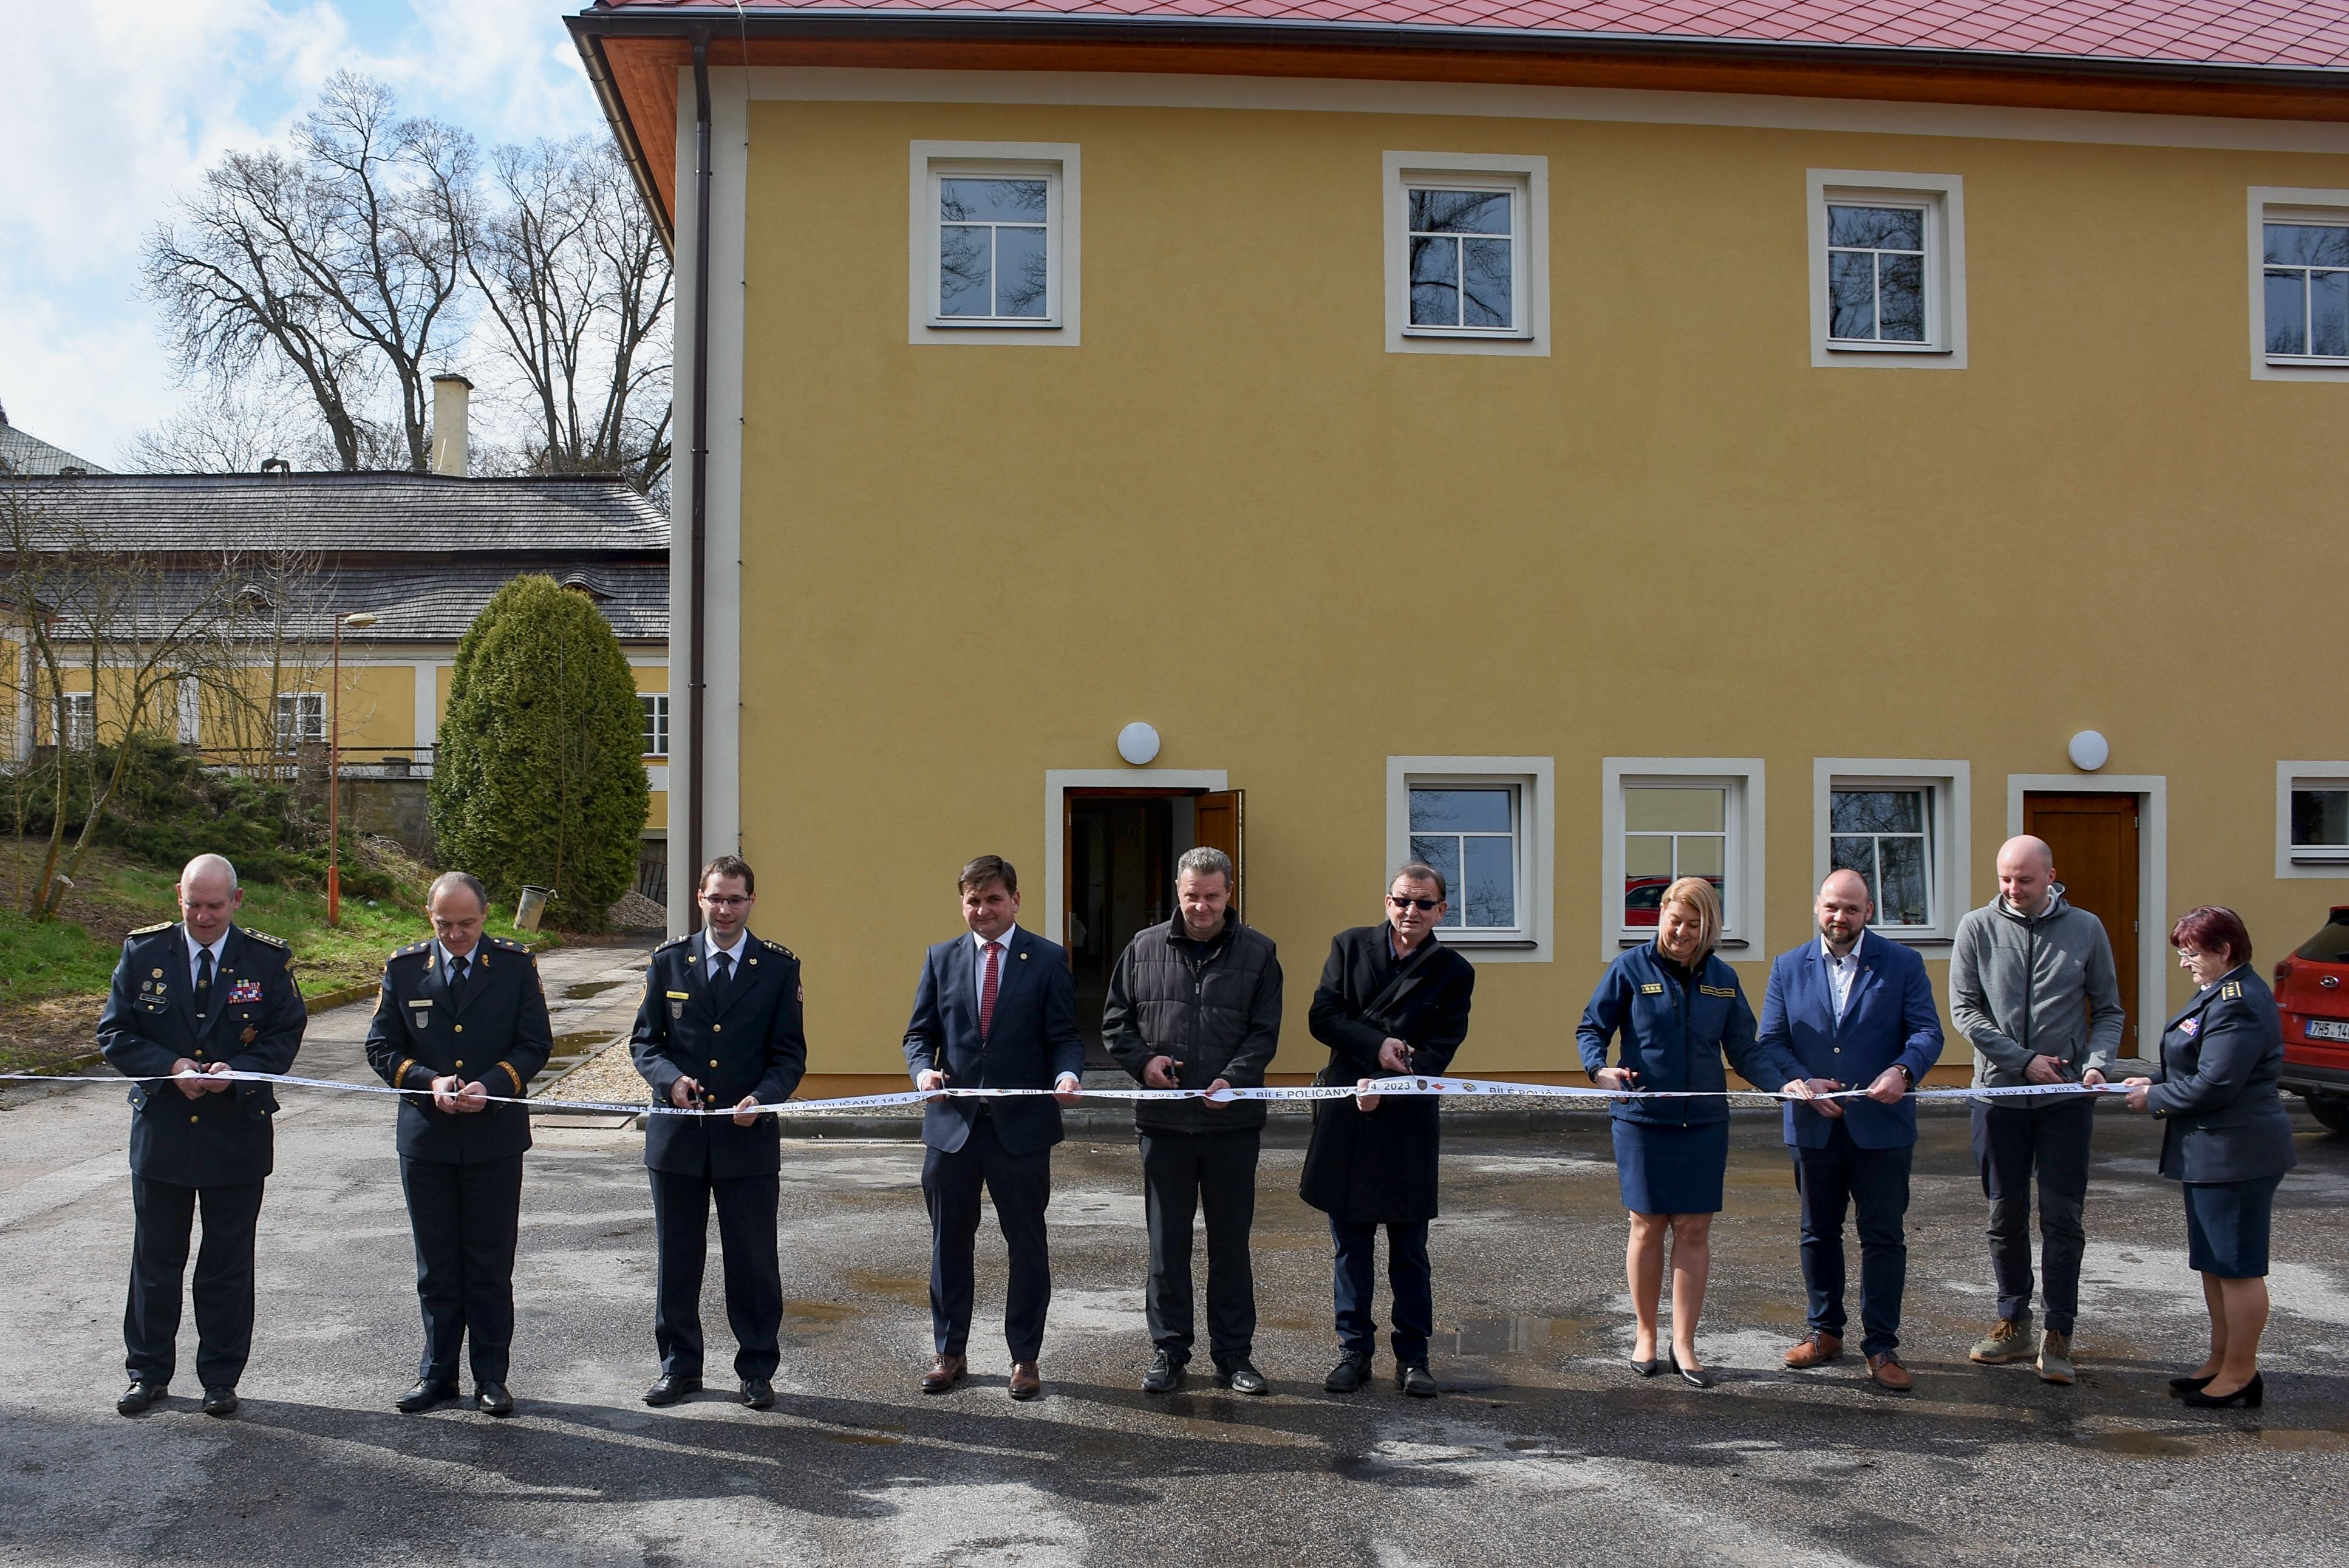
(1844, 909)
(2027, 871)
(209, 897)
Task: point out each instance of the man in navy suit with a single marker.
(995, 1009)
(1853, 1008)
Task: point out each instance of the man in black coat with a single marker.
(1392, 1000)
(995, 1008)
(720, 1025)
(1195, 1002)
(194, 1000)
(461, 998)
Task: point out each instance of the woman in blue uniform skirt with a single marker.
(2227, 1139)
(1673, 1007)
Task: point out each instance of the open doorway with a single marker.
(1118, 853)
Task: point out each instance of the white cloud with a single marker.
(116, 107)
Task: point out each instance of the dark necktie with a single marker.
(722, 970)
(989, 979)
(458, 968)
(203, 982)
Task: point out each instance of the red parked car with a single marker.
(2311, 990)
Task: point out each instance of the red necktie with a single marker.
(988, 983)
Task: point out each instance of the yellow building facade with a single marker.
(1680, 561)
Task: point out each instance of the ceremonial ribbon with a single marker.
(1399, 1088)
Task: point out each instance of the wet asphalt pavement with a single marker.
(1544, 1449)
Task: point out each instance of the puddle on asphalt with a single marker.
(2142, 1445)
(573, 1049)
(586, 988)
(2302, 1440)
(818, 1312)
(911, 1289)
(1511, 1335)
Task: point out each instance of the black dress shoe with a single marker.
(1694, 1377)
(1414, 1379)
(424, 1396)
(1242, 1378)
(1165, 1374)
(220, 1401)
(2188, 1384)
(139, 1396)
(669, 1387)
(492, 1399)
(758, 1393)
(2250, 1397)
(1350, 1373)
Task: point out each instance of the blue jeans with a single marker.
(1408, 1277)
(1832, 1181)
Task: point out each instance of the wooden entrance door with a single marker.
(1217, 824)
(2094, 838)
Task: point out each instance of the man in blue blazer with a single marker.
(995, 1009)
(1855, 1010)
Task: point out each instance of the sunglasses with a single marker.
(1401, 903)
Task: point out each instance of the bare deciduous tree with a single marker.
(341, 264)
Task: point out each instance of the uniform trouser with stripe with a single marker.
(466, 1219)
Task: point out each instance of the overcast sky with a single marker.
(114, 106)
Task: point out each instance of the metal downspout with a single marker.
(696, 650)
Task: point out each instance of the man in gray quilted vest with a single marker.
(1194, 1002)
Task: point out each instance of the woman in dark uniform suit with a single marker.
(2227, 1139)
(1677, 1008)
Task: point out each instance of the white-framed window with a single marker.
(1487, 823)
(656, 706)
(1467, 253)
(301, 719)
(1902, 823)
(1664, 817)
(994, 242)
(1888, 268)
(81, 720)
(2313, 819)
(2300, 284)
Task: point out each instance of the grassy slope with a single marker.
(54, 974)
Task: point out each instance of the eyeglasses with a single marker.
(715, 901)
(1401, 903)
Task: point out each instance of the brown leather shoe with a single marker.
(1886, 1372)
(944, 1374)
(1816, 1349)
(1025, 1383)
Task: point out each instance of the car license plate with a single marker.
(2327, 1029)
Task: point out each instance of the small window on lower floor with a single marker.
(82, 718)
(1483, 823)
(2319, 821)
(1901, 825)
(656, 706)
(1667, 818)
(301, 719)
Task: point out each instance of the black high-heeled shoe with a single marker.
(1694, 1377)
(2187, 1385)
(2249, 1396)
(1649, 1367)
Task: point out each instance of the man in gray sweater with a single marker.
(2032, 986)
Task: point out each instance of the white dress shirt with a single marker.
(1842, 972)
(449, 960)
(734, 954)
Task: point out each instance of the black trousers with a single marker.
(165, 1218)
(1183, 1172)
(2012, 1144)
(1020, 1186)
(1832, 1181)
(747, 1207)
(466, 1219)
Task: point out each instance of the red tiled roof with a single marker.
(2288, 33)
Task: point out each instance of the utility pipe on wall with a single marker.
(695, 688)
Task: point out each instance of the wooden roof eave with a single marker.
(633, 59)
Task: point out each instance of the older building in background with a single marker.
(1579, 444)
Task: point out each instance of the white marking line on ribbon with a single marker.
(1399, 1088)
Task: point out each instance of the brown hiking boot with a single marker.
(1816, 1348)
(2055, 1357)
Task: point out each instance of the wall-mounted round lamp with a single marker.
(1138, 744)
(2088, 751)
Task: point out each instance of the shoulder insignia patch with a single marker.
(413, 947)
(1718, 990)
(778, 949)
(151, 930)
(279, 943)
(672, 941)
(2231, 988)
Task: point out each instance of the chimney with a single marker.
(452, 400)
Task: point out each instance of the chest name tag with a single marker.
(681, 995)
(1651, 989)
(1717, 990)
(244, 991)
(419, 1011)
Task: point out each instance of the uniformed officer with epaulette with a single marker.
(720, 1026)
(194, 1000)
(464, 1016)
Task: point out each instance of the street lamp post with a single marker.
(358, 620)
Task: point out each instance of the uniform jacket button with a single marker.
(461, 1061)
(717, 1028)
(193, 1119)
(713, 1061)
(458, 1027)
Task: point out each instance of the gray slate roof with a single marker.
(363, 513)
(25, 454)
